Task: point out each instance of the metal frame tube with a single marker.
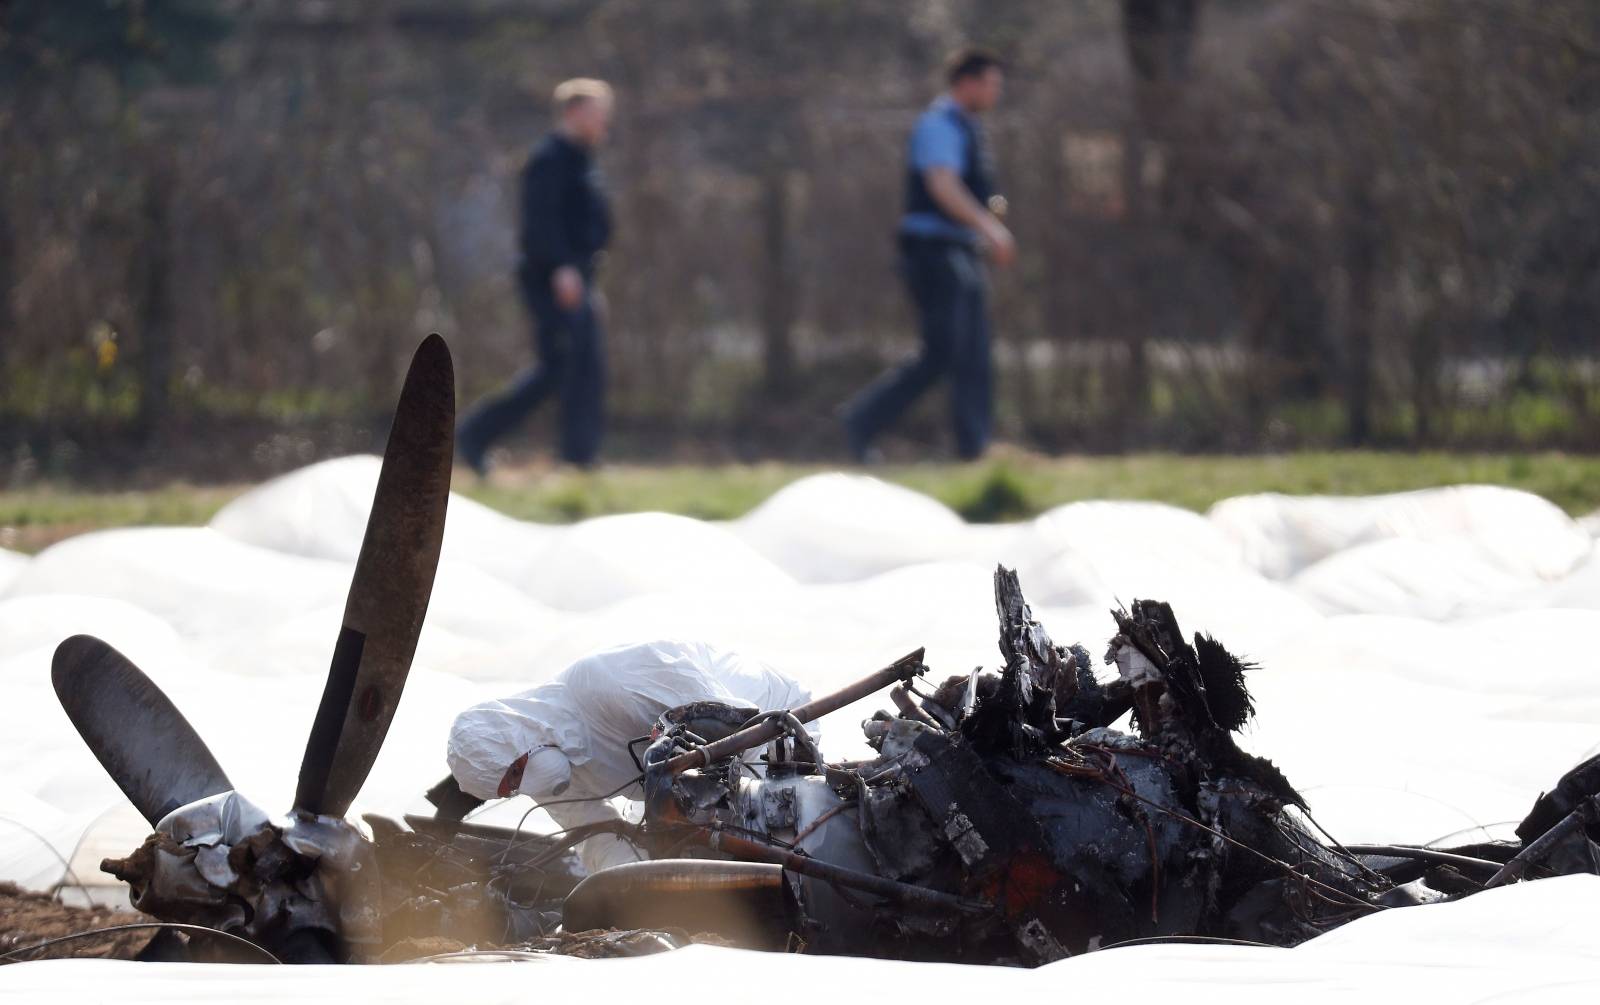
(902, 893)
(902, 669)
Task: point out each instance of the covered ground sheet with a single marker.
(1428, 665)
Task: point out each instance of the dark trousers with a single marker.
(570, 360)
(947, 286)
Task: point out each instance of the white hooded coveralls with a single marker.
(576, 728)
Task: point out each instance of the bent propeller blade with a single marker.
(389, 591)
(137, 733)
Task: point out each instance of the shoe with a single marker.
(473, 456)
(861, 450)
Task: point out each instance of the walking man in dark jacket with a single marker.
(565, 224)
(947, 223)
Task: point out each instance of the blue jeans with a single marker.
(570, 360)
(947, 286)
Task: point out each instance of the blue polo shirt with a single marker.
(937, 141)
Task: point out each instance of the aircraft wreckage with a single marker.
(1003, 819)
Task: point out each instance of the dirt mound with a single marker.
(28, 918)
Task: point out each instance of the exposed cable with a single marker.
(1425, 854)
(1352, 859)
(90, 933)
(520, 955)
(1217, 940)
(1480, 828)
(1288, 869)
(517, 831)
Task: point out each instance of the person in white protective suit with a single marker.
(568, 739)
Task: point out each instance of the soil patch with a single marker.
(27, 918)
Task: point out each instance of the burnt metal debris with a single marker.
(1003, 819)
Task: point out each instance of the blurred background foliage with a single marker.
(1246, 225)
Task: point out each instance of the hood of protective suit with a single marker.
(490, 736)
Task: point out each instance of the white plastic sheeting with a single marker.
(1425, 579)
(1538, 942)
(612, 558)
(310, 512)
(1428, 663)
(838, 528)
(11, 563)
(1590, 522)
(1522, 533)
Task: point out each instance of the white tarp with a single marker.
(837, 528)
(11, 563)
(1524, 534)
(1539, 942)
(1427, 657)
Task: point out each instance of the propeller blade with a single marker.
(141, 739)
(389, 592)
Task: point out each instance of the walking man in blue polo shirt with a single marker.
(948, 224)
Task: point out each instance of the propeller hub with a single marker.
(302, 885)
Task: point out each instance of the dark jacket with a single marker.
(977, 170)
(565, 220)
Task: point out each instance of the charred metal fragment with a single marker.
(1191, 695)
(1020, 714)
(1060, 834)
(1565, 847)
(450, 801)
(1574, 788)
(1092, 704)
